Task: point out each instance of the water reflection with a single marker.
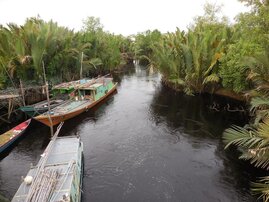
(192, 113)
(190, 120)
(128, 71)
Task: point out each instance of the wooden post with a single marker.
(22, 93)
(48, 99)
(81, 65)
(10, 107)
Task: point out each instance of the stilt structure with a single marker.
(10, 101)
(48, 99)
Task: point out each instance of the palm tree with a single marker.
(253, 140)
(190, 60)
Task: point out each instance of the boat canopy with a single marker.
(57, 175)
(71, 84)
(91, 87)
(94, 85)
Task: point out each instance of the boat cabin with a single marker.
(94, 91)
(68, 87)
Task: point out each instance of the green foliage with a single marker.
(191, 57)
(249, 40)
(234, 69)
(211, 54)
(24, 48)
(189, 60)
(262, 188)
(92, 24)
(143, 45)
(254, 141)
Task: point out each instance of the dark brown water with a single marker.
(145, 144)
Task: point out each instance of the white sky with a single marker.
(118, 16)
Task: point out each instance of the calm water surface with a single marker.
(144, 144)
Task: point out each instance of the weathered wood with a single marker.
(48, 99)
(81, 65)
(10, 107)
(22, 93)
(6, 97)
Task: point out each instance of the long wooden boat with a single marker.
(61, 90)
(58, 174)
(40, 107)
(10, 137)
(85, 97)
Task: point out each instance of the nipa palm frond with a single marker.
(213, 78)
(259, 156)
(254, 143)
(259, 103)
(262, 187)
(241, 137)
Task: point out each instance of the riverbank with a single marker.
(220, 91)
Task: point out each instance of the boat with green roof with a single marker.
(84, 97)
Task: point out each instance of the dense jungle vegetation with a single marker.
(211, 55)
(24, 48)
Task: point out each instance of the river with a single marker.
(145, 143)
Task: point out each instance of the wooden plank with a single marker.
(4, 97)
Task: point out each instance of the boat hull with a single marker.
(56, 119)
(33, 110)
(10, 137)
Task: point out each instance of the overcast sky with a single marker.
(118, 16)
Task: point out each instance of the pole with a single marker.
(81, 65)
(22, 93)
(48, 99)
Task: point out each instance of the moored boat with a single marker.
(10, 137)
(40, 107)
(61, 91)
(58, 174)
(84, 97)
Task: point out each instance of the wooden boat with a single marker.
(58, 174)
(85, 97)
(61, 90)
(10, 137)
(40, 107)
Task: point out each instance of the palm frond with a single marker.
(259, 157)
(261, 188)
(259, 103)
(241, 137)
(212, 78)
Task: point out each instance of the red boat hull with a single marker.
(9, 137)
